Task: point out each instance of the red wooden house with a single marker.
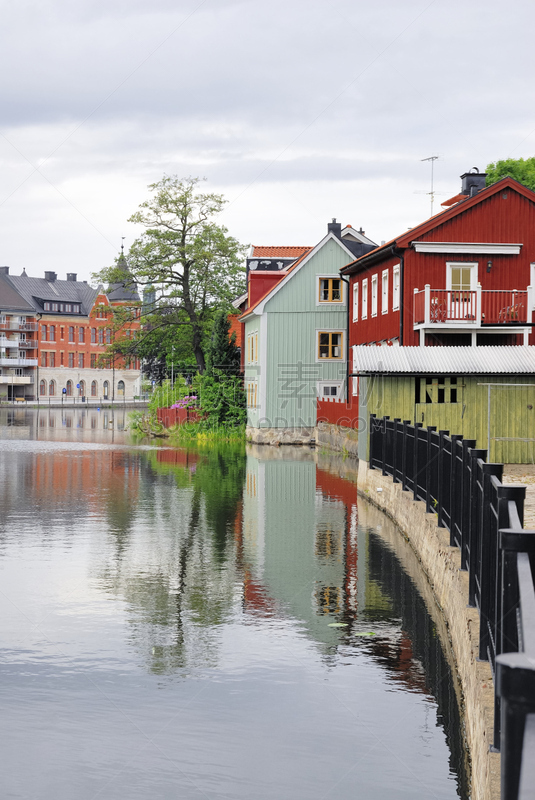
(464, 277)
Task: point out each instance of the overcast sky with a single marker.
(296, 110)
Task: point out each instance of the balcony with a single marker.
(478, 307)
(30, 344)
(16, 380)
(13, 325)
(500, 311)
(17, 362)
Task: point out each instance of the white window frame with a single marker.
(374, 294)
(364, 298)
(384, 292)
(473, 272)
(321, 385)
(532, 282)
(395, 287)
(356, 301)
(342, 346)
(330, 303)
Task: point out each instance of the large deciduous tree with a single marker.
(522, 170)
(191, 263)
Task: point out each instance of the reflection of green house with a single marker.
(295, 340)
(482, 393)
(301, 546)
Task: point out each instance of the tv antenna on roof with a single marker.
(432, 159)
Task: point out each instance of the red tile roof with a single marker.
(283, 275)
(283, 251)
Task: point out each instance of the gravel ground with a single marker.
(524, 474)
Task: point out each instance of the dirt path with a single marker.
(525, 474)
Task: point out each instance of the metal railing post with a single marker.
(395, 450)
(415, 465)
(385, 446)
(473, 527)
(440, 478)
(406, 423)
(429, 466)
(464, 517)
(454, 489)
(487, 573)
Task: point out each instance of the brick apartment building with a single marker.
(54, 335)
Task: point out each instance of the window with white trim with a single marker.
(252, 397)
(355, 302)
(384, 292)
(330, 345)
(395, 288)
(365, 298)
(374, 295)
(329, 389)
(330, 290)
(252, 348)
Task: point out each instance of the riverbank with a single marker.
(442, 565)
(76, 402)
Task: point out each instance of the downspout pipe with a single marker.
(346, 281)
(400, 255)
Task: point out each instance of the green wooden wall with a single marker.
(512, 409)
(288, 368)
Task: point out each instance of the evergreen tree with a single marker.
(222, 352)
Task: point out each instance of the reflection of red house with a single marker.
(462, 277)
(181, 458)
(334, 487)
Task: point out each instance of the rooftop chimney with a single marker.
(473, 182)
(4, 270)
(71, 276)
(50, 277)
(335, 227)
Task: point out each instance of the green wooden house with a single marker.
(295, 341)
(482, 393)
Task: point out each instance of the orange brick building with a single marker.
(72, 325)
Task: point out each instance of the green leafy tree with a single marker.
(222, 399)
(190, 263)
(522, 170)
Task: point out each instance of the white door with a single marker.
(461, 283)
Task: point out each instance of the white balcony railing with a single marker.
(16, 380)
(474, 307)
(18, 326)
(17, 362)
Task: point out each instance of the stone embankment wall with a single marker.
(442, 563)
(336, 437)
(278, 436)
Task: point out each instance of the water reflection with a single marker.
(75, 424)
(244, 596)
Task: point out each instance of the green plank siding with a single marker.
(511, 418)
(289, 368)
(300, 293)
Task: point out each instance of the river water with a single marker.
(210, 624)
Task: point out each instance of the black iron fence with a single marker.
(485, 521)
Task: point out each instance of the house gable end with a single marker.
(297, 292)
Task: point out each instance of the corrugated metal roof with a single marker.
(10, 299)
(444, 360)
